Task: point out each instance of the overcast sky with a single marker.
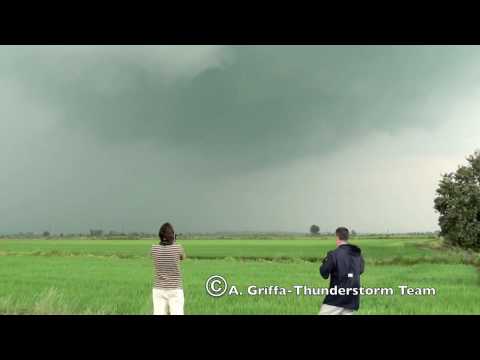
(238, 138)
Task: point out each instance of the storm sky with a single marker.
(232, 138)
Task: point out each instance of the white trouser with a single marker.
(334, 310)
(167, 301)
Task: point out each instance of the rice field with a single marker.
(81, 276)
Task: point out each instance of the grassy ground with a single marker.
(308, 249)
(114, 276)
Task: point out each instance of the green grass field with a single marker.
(115, 276)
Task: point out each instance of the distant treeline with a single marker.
(113, 235)
(91, 235)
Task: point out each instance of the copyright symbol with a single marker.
(216, 286)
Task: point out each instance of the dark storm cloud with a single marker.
(242, 107)
(231, 138)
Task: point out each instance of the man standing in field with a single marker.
(344, 265)
(167, 289)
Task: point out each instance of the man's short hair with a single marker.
(342, 233)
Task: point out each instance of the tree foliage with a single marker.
(96, 233)
(314, 229)
(458, 202)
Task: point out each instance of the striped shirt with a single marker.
(166, 266)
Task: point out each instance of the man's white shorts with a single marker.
(334, 310)
(168, 301)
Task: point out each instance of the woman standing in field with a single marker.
(167, 283)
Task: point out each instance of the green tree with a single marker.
(314, 229)
(96, 233)
(458, 203)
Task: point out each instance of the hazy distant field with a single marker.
(115, 276)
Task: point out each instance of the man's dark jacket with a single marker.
(344, 266)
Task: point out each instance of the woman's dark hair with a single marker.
(166, 234)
